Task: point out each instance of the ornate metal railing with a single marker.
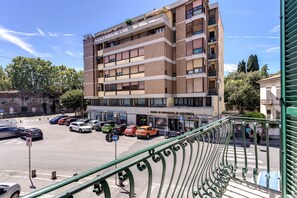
(199, 163)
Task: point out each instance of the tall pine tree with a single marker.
(241, 66)
(252, 64)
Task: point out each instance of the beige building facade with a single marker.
(270, 94)
(163, 68)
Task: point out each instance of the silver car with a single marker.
(9, 190)
(80, 127)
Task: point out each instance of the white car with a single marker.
(80, 127)
(92, 123)
(9, 190)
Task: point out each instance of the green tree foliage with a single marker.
(241, 66)
(253, 63)
(72, 99)
(5, 83)
(35, 74)
(242, 90)
(254, 114)
(264, 71)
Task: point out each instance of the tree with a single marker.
(5, 83)
(242, 90)
(252, 64)
(241, 66)
(72, 99)
(264, 71)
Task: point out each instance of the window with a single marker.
(199, 102)
(133, 53)
(125, 55)
(111, 87)
(134, 86)
(198, 46)
(141, 51)
(268, 111)
(197, 27)
(119, 56)
(194, 8)
(106, 74)
(198, 70)
(197, 51)
(114, 102)
(141, 85)
(158, 101)
(119, 87)
(119, 72)
(189, 48)
(126, 86)
(140, 102)
(208, 101)
(126, 102)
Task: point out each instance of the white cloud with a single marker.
(8, 36)
(275, 29)
(253, 37)
(273, 50)
(40, 32)
(53, 34)
(68, 34)
(70, 53)
(230, 68)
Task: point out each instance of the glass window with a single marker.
(126, 102)
(208, 101)
(158, 102)
(133, 53)
(198, 51)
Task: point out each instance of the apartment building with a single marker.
(163, 68)
(270, 94)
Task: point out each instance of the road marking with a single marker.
(12, 141)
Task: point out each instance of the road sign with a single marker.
(29, 141)
(108, 137)
(115, 138)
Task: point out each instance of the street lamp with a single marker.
(218, 86)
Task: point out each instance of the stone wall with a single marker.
(39, 103)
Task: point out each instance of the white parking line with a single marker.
(11, 141)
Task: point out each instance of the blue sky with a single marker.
(53, 30)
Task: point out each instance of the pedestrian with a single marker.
(251, 135)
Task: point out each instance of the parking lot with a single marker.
(62, 151)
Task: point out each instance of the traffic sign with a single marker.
(108, 137)
(29, 141)
(115, 138)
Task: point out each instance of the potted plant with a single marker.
(129, 22)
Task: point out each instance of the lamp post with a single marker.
(218, 85)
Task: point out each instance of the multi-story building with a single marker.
(163, 68)
(270, 94)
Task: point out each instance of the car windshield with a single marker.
(106, 125)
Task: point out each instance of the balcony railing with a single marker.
(212, 73)
(211, 21)
(212, 39)
(199, 163)
(212, 91)
(212, 56)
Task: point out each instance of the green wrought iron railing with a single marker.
(199, 163)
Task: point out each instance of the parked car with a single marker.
(85, 120)
(34, 133)
(56, 119)
(63, 120)
(10, 131)
(69, 120)
(119, 129)
(98, 126)
(80, 127)
(107, 128)
(146, 132)
(92, 123)
(9, 190)
(130, 130)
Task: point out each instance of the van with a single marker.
(10, 131)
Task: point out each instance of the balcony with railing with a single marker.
(212, 56)
(210, 161)
(138, 26)
(212, 73)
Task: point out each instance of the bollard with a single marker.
(54, 175)
(20, 121)
(33, 173)
(47, 118)
(39, 119)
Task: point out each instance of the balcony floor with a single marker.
(239, 189)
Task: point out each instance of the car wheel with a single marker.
(147, 136)
(70, 128)
(15, 195)
(80, 130)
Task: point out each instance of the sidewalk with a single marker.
(272, 142)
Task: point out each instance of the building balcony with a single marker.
(137, 92)
(130, 29)
(212, 56)
(212, 21)
(138, 75)
(100, 66)
(100, 80)
(99, 52)
(266, 101)
(212, 39)
(212, 91)
(100, 93)
(212, 73)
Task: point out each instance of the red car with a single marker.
(130, 130)
(62, 120)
